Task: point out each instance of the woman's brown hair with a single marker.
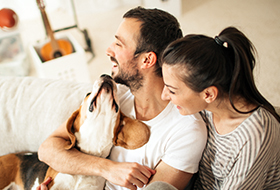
(226, 62)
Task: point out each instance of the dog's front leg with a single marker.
(63, 182)
(90, 183)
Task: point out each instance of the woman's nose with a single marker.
(164, 94)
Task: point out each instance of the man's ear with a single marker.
(210, 94)
(149, 59)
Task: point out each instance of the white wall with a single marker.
(27, 9)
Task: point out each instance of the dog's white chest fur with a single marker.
(95, 137)
(77, 182)
(96, 134)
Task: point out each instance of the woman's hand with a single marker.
(43, 186)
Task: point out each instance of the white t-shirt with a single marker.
(175, 139)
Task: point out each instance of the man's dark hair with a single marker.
(158, 29)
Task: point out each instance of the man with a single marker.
(139, 42)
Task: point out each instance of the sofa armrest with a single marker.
(32, 108)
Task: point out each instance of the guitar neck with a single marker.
(49, 30)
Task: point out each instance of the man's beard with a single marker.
(133, 81)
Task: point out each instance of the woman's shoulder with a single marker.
(264, 118)
(260, 129)
(269, 124)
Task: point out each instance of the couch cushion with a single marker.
(277, 109)
(32, 108)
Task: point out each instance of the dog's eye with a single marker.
(91, 107)
(117, 108)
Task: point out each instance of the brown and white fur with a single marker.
(93, 129)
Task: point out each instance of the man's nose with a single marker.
(110, 51)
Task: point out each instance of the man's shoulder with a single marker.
(184, 123)
(186, 119)
(124, 94)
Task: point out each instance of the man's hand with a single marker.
(43, 186)
(129, 175)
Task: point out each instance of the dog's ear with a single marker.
(70, 129)
(130, 133)
(75, 121)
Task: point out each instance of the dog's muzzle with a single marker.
(108, 86)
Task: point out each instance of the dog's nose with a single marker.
(106, 76)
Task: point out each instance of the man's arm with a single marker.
(53, 153)
(72, 161)
(168, 174)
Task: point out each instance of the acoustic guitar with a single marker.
(54, 48)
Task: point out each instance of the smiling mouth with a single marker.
(178, 107)
(114, 61)
(114, 64)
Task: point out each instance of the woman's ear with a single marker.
(210, 94)
(149, 59)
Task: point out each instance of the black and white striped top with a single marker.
(246, 158)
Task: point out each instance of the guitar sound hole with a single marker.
(57, 54)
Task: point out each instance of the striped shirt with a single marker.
(246, 158)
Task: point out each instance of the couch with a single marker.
(32, 108)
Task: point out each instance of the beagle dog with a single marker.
(93, 129)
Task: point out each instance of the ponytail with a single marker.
(242, 77)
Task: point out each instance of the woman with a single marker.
(216, 75)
